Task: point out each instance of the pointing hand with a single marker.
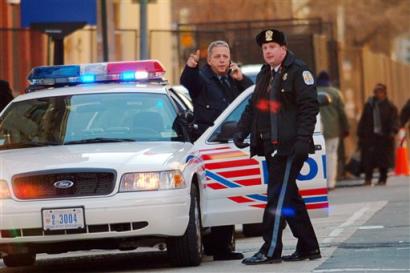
(193, 59)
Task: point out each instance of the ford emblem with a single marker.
(63, 184)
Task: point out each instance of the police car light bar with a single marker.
(145, 70)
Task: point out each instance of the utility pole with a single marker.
(104, 30)
(143, 30)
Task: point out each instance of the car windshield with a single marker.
(89, 118)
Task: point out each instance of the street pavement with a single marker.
(368, 230)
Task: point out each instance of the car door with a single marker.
(236, 184)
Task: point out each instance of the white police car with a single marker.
(100, 157)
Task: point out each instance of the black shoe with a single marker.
(296, 256)
(260, 258)
(381, 183)
(228, 256)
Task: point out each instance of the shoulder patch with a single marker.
(308, 77)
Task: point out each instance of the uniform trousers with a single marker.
(293, 209)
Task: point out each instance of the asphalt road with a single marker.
(368, 231)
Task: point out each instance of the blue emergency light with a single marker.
(87, 78)
(128, 76)
(146, 70)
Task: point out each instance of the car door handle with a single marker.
(318, 147)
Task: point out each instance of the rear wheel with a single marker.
(25, 259)
(187, 249)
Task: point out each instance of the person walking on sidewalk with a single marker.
(280, 118)
(378, 125)
(335, 125)
(405, 114)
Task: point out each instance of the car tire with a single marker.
(252, 230)
(187, 249)
(25, 259)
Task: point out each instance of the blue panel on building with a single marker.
(58, 11)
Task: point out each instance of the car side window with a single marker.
(233, 117)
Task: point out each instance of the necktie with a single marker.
(227, 89)
(225, 82)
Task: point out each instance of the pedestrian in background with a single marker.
(376, 131)
(405, 114)
(212, 88)
(5, 94)
(335, 125)
(280, 118)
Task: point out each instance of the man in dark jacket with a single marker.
(280, 119)
(405, 114)
(376, 131)
(212, 88)
(5, 94)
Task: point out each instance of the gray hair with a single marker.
(215, 44)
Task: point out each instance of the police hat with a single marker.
(271, 35)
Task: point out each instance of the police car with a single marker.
(98, 156)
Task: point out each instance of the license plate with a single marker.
(63, 218)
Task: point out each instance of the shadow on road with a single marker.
(97, 263)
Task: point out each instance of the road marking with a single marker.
(403, 248)
(363, 270)
(371, 227)
(337, 231)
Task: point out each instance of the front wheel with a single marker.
(25, 259)
(187, 249)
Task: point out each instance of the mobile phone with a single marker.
(229, 68)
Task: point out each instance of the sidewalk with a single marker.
(356, 181)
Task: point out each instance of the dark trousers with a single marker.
(219, 241)
(293, 209)
(368, 171)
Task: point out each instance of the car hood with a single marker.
(123, 157)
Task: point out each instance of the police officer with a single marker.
(280, 118)
(212, 88)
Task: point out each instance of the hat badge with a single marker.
(268, 35)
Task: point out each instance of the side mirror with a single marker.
(228, 129)
(324, 99)
(187, 117)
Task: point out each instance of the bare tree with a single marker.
(374, 23)
(202, 11)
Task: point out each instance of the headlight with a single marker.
(151, 181)
(4, 190)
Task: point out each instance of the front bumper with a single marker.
(156, 213)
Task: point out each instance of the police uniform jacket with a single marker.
(296, 117)
(208, 94)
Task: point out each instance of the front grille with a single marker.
(63, 183)
(114, 227)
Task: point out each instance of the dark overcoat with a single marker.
(207, 93)
(296, 118)
(378, 149)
